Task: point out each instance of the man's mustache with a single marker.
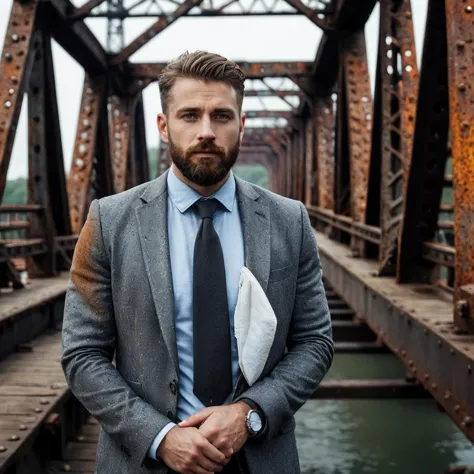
(206, 148)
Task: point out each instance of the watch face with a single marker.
(255, 422)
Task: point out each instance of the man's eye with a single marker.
(222, 116)
(189, 116)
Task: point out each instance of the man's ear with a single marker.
(162, 127)
(242, 125)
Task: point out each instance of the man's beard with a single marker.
(208, 170)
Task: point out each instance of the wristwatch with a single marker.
(254, 423)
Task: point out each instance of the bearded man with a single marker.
(155, 280)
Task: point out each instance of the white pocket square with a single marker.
(255, 326)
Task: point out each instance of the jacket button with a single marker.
(170, 415)
(173, 387)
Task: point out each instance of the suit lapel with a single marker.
(153, 231)
(255, 215)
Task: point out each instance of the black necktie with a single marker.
(211, 328)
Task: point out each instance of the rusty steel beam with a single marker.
(251, 114)
(121, 111)
(315, 16)
(15, 65)
(273, 93)
(461, 104)
(430, 152)
(83, 11)
(399, 101)
(140, 149)
(309, 161)
(79, 181)
(255, 70)
(160, 25)
(369, 389)
(40, 171)
(342, 171)
(359, 125)
(325, 123)
(75, 37)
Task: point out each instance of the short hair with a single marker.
(205, 66)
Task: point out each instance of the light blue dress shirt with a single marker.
(183, 225)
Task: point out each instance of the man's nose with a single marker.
(205, 131)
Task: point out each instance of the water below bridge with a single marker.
(401, 436)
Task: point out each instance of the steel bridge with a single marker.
(387, 178)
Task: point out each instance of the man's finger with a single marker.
(195, 419)
(212, 453)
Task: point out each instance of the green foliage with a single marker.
(256, 174)
(15, 192)
(152, 162)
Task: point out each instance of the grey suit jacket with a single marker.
(120, 302)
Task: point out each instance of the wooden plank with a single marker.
(80, 452)
(36, 292)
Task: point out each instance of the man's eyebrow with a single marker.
(187, 109)
(227, 110)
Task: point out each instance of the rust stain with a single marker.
(461, 104)
(85, 273)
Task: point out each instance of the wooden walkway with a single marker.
(80, 453)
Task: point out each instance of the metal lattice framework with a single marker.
(372, 171)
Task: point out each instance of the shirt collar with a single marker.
(183, 196)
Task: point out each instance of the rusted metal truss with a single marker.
(399, 92)
(256, 70)
(153, 8)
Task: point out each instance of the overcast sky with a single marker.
(258, 38)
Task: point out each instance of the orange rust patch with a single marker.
(85, 272)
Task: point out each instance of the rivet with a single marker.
(469, 369)
(404, 353)
(462, 86)
(408, 15)
(467, 421)
(43, 401)
(460, 44)
(447, 396)
(7, 104)
(67, 467)
(451, 351)
(426, 377)
(14, 80)
(11, 91)
(457, 408)
(14, 438)
(8, 57)
(434, 386)
(15, 38)
(2, 449)
(38, 410)
(410, 363)
(440, 344)
(468, 9)
(23, 427)
(465, 124)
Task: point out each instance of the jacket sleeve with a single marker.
(309, 342)
(89, 336)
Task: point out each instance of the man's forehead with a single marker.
(192, 91)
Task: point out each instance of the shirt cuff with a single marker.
(159, 438)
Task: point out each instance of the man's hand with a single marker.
(187, 451)
(224, 426)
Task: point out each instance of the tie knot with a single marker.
(206, 208)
